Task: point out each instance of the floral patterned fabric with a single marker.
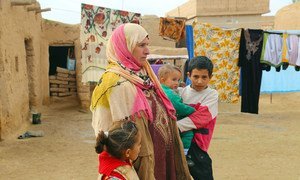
(172, 29)
(222, 47)
(97, 24)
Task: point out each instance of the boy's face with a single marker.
(172, 79)
(199, 78)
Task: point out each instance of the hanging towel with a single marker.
(285, 54)
(171, 29)
(190, 48)
(222, 47)
(272, 49)
(189, 40)
(97, 24)
(292, 44)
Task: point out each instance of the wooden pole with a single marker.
(271, 98)
(0, 121)
(0, 127)
(43, 10)
(22, 2)
(33, 8)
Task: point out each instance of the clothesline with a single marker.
(157, 56)
(67, 10)
(290, 32)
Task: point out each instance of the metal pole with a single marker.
(271, 98)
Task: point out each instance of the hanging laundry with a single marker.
(293, 46)
(222, 47)
(97, 24)
(190, 48)
(297, 68)
(285, 54)
(272, 49)
(251, 71)
(189, 40)
(171, 29)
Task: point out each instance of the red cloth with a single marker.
(108, 163)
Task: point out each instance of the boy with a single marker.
(169, 77)
(203, 121)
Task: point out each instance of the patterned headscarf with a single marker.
(122, 43)
(122, 63)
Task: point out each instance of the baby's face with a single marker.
(172, 79)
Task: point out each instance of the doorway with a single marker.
(62, 74)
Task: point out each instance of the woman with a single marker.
(129, 88)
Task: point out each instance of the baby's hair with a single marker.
(121, 137)
(166, 69)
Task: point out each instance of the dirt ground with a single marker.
(244, 146)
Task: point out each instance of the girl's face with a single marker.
(172, 79)
(141, 51)
(135, 150)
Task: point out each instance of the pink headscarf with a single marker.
(119, 49)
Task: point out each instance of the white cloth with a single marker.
(292, 44)
(273, 49)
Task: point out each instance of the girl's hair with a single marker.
(166, 69)
(122, 136)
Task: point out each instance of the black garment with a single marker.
(265, 67)
(285, 65)
(251, 70)
(200, 164)
(278, 69)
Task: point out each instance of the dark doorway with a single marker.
(58, 56)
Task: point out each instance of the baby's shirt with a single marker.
(182, 110)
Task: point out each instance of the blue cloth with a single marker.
(189, 45)
(284, 81)
(189, 40)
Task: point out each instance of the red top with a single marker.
(107, 165)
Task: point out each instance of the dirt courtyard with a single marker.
(244, 146)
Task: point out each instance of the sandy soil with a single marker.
(244, 146)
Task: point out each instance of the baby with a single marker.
(169, 77)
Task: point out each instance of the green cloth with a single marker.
(182, 111)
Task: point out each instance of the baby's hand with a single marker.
(182, 84)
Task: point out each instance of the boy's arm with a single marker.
(206, 112)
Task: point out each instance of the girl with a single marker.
(117, 150)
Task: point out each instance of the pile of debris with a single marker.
(63, 83)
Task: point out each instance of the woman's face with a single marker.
(141, 51)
